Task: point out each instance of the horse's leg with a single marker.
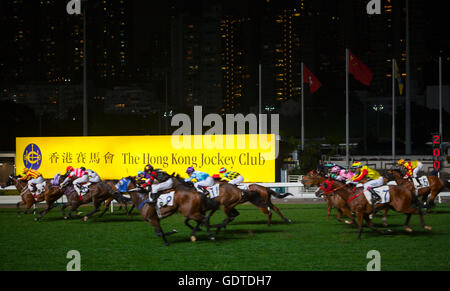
(348, 213)
(158, 229)
(73, 208)
(228, 212)
(18, 208)
(63, 209)
(107, 204)
(422, 221)
(277, 211)
(97, 205)
(406, 225)
(384, 218)
(50, 205)
(359, 216)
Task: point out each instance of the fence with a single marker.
(297, 189)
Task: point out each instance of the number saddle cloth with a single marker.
(382, 191)
(213, 191)
(423, 181)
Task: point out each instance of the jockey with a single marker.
(375, 179)
(340, 174)
(233, 177)
(412, 168)
(203, 179)
(93, 176)
(165, 183)
(33, 177)
(140, 177)
(81, 177)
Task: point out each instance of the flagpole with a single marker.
(440, 108)
(85, 107)
(347, 157)
(440, 98)
(302, 108)
(393, 110)
(260, 97)
(407, 89)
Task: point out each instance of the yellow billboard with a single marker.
(114, 157)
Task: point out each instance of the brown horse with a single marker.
(400, 200)
(262, 200)
(435, 186)
(97, 194)
(25, 194)
(186, 200)
(337, 202)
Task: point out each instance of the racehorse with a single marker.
(98, 193)
(186, 200)
(25, 194)
(229, 197)
(435, 186)
(400, 200)
(112, 184)
(52, 192)
(262, 200)
(337, 202)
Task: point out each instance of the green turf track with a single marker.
(118, 242)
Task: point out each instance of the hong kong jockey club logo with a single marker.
(32, 157)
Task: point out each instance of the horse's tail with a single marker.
(278, 195)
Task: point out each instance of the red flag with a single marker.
(360, 71)
(308, 77)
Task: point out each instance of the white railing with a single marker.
(297, 189)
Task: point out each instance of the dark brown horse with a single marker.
(191, 204)
(52, 192)
(97, 194)
(400, 199)
(123, 204)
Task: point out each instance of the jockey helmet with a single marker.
(222, 170)
(401, 161)
(140, 173)
(216, 176)
(25, 170)
(148, 168)
(83, 168)
(69, 168)
(335, 169)
(190, 170)
(357, 164)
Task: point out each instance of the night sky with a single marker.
(142, 54)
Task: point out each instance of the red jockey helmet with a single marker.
(222, 170)
(69, 168)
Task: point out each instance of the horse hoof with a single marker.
(79, 213)
(408, 229)
(427, 227)
(85, 218)
(174, 231)
(65, 217)
(348, 222)
(193, 239)
(36, 219)
(212, 238)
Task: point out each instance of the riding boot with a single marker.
(375, 196)
(418, 181)
(205, 192)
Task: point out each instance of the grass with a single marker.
(118, 242)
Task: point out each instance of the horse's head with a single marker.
(325, 188)
(313, 178)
